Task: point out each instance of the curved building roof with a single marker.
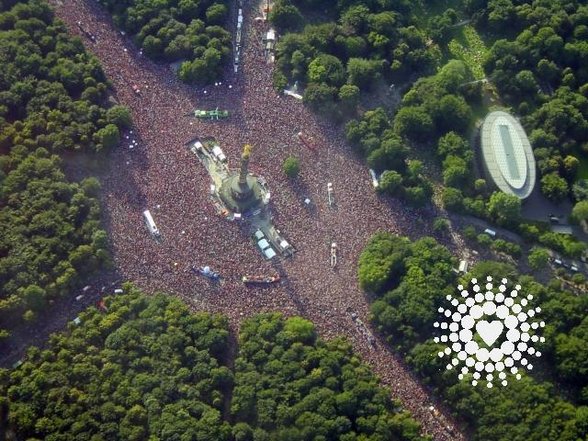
(507, 154)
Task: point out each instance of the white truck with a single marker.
(150, 223)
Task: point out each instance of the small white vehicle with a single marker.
(150, 223)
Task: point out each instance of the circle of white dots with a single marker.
(493, 312)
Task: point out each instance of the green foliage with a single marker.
(53, 98)
(414, 123)
(297, 329)
(326, 69)
(362, 72)
(108, 137)
(529, 232)
(453, 144)
(452, 199)
(480, 186)
(119, 116)
(217, 13)
(580, 190)
(354, 45)
(571, 353)
(387, 153)
(469, 232)
(546, 82)
(407, 310)
(472, 53)
(504, 208)
(349, 96)
(580, 211)
(291, 167)
(441, 224)
(434, 111)
(391, 182)
(189, 31)
(563, 243)
(455, 171)
(405, 313)
(504, 246)
(554, 187)
(381, 261)
(484, 240)
(320, 97)
(301, 389)
(146, 367)
(285, 16)
(538, 258)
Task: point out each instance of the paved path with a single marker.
(163, 172)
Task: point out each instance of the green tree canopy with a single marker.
(580, 211)
(187, 31)
(538, 258)
(504, 208)
(291, 166)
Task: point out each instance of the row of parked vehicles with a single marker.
(572, 266)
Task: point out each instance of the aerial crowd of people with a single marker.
(159, 173)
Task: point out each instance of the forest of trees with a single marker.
(289, 385)
(367, 46)
(147, 368)
(54, 98)
(387, 153)
(340, 53)
(540, 66)
(434, 109)
(410, 281)
(348, 53)
(192, 32)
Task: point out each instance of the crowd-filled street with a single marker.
(160, 174)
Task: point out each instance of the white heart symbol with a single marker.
(489, 331)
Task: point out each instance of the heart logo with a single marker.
(489, 331)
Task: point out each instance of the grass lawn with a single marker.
(469, 47)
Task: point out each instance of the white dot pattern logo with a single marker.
(504, 324)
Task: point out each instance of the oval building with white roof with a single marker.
(507, 155)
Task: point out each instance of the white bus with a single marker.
(150, 224)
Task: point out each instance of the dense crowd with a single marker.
(160, 174)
